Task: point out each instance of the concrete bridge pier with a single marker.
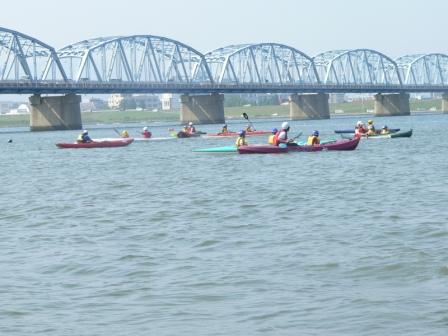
(394, 104)
(55, 112)
(202, 109)
(309, 106)
(445, 103)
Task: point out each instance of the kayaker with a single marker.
(191, 128)
(241, 141)
(249, 128)
(271, 139)
(313, 139)
(84, 137)
(385, 130)
(282, 136)
(125, 134)
(224, 129)
(145, 133)
(370, 128)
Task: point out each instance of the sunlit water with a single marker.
(153, 239)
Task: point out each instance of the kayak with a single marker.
(322, 142)
(226, 149)
(403, 134)
(262, 149)
(352, 131)
(98, 143)
(235, 134)
(343, 144)
(182, 134)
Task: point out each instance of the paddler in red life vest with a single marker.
(360, 129)
(271, 139)
(191, 129)
(241, 141)
(145, 133)
(282, 136)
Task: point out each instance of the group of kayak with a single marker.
(277, 142)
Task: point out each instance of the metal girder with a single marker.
(358, 66)
(423, 69)
(23, 57)
(136, 58)
(261, 63)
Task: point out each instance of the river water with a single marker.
(153, 239)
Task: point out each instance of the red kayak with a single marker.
(235, 134)
(261, 149)
(344, 144)
(97, 143)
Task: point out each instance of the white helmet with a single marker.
(145, 128)
(359, 123)
(285, 125)
(84, 132)
(190, 123)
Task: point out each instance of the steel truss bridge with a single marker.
(154, 64)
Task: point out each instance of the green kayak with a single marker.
(405, 134)
(226, 149)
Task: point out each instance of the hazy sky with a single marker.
(394, 27)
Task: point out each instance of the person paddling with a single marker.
(282, 136)
(314, 139)
(191, 129)
(145, 133)
(241, 141)
(271, 139)
(385, 130)
(224, 129)
(371, 128)
(84, 137)
(125, 134)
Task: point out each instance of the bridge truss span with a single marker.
(358, 66)
(263, 63)
(24, 58)
(137, 58)
(423, 69)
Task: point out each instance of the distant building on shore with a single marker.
(169, 101)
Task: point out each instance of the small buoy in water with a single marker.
(10, 140)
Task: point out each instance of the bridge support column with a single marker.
(202, 109)
(445, 103)
(55, 112)
(309, 106)
(394, 104)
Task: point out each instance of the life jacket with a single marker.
(271, 139)
(125, 134)
(240, 142)
(80, 138)
(277, 135)
(146, 134)
(191, 129)
(313, 140)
